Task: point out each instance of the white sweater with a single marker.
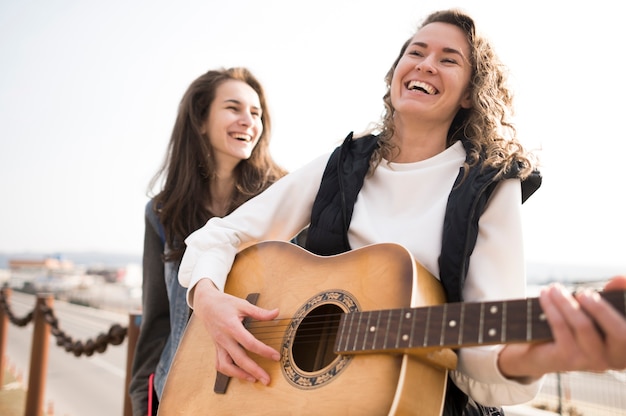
(402, 203)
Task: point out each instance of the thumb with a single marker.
(258, 313)
(616, 283)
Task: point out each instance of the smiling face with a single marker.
(234, 123)
(431, 79)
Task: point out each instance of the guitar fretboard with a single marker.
(450, 325)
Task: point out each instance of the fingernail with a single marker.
(589, 296)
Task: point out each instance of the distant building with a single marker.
(51, 274)
(40, 266)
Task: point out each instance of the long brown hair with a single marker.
(486, 125)
(182, 204)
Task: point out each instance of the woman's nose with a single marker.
(425, 65)
(245, 119)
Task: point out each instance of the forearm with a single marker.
(479, 377)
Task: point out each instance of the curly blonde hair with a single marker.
(486, 125)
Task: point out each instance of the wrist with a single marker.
(514, 366)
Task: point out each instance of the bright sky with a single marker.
(89, 92)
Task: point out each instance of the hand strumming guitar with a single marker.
(222, 316)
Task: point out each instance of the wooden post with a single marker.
(134, 324)
(4, 328)
(38, 357)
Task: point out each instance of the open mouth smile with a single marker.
(422, 86)
(242, 137)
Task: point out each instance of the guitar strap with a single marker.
(332, 212)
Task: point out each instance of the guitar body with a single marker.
(311, 291)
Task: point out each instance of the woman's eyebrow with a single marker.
(446, 49)
(237, 102)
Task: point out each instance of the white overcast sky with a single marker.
(89, 92)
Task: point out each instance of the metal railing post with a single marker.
(38, 358)
(134, 323)
(4, 328)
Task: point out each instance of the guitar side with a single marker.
(315, 381)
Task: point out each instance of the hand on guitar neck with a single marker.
(589, 335)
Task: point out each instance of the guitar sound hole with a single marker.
(315, 338)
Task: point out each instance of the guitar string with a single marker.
(310, 328)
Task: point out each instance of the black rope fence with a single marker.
(115, 335)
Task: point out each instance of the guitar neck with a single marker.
(450, 325)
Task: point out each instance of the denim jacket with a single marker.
(179, 315)
(164, 316)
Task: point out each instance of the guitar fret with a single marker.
(406, 330)
(469, 317)
(452, 321)
(493, 320)
(436, 328)
(419, 324)
(414, 314)
(481, 325)
(529, 321)
(540, 328)
(461, 325)
(357, 332)
(385, 346)
(351, 318)
(367, 330)
(503, 305)
(376, 330)
(342, 330)
(518, 321)
(427, 327)
(443, 324)
(399, 328)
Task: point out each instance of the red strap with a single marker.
(150, 393)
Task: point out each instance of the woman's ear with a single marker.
(466, 101)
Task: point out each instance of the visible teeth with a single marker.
(243, 137)
(422, 86)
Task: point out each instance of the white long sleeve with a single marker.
(401, 203)
(278, 213)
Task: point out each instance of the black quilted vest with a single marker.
(333, 206)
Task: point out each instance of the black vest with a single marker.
(333, 207)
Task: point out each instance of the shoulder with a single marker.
(150, 211)
(366, 142)
(149, 207)
(355, 148)
(153, 219)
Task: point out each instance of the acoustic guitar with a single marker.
(365, 332)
